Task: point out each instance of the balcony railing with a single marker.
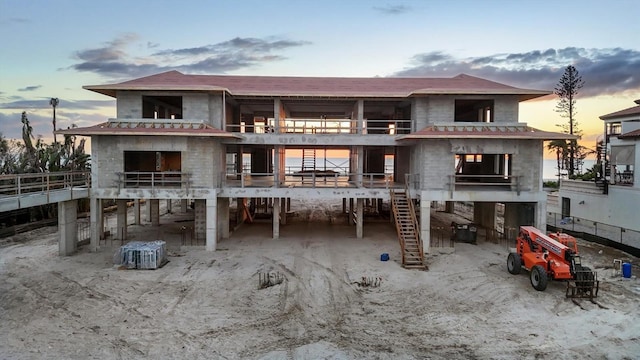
(316, 179)
(462, 182)
(20, 184)
(154, 179)
(328, 126)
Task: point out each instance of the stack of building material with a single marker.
(142, 255)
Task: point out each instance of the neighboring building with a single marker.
(180, 136)
(611, 202)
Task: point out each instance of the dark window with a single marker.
(162, 107)
(473, 111)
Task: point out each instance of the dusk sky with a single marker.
(52, 48)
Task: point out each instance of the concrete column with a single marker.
(97, 222)
(223, 218)
(350, 219)
(484, 214)
(184, 205)
(288, 204)
(67, 227)
(121, 219)
(541, 215)
(283, 211)
(510, 217)
(147, 212)
(169, 206)
(359, 218)
(344, 205)
(360, 169)
(136, 211)
(154, 205)
(211, 213)
(276, 219)
(425, 224)
(449, 207)
(200, 219)
(360, 115)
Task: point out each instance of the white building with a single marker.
(613, 200)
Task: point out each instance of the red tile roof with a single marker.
(149, 127)
(477, 131)
(317, 86)
(622, 113)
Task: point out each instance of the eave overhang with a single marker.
(152, 128)
(475, 131)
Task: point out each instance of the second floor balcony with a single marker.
(324, 126)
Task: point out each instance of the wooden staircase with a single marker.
(408, 230)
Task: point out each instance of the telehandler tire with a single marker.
(539, 278)
(514, 263)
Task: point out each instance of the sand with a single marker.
(204, 305)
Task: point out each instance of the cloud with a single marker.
(113, 59)
(605, 71)
(34, 104)
(392, 9)
(30, 88)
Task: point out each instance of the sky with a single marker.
(52, 48)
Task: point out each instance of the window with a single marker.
(162, 107)
(473, 111)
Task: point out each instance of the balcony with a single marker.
(153, 180)
(485, 182)
(318, 179)
(326, 126)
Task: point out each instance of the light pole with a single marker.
(54, 102)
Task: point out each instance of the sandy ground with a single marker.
(208, 305)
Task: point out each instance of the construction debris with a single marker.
(370, 282)
(142, 255)
(269, 279)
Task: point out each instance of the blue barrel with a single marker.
(626, 270)
(384, 257)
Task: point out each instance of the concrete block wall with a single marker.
(527, 162)
(129, 105)
(205, 160)
(202, 157)
(434, 163)
(195, 106)
(419, 113)
(505, 109)
(215, 111)
(434, 160)
(440, 109)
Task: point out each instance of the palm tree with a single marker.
(561, 149)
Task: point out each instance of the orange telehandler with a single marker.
(547, 258)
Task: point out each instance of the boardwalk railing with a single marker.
(22, 184)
